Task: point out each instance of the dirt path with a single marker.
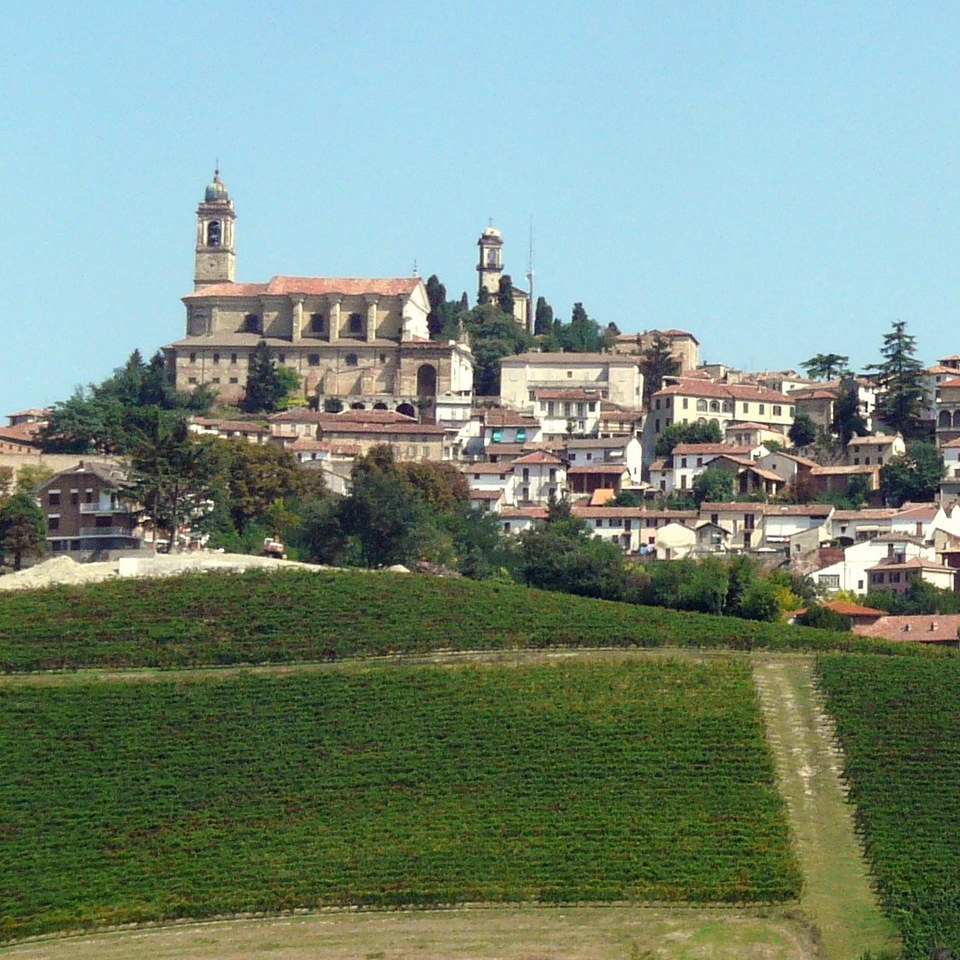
(837, 895)
(498, 933)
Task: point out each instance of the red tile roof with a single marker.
(613, 469)
(311, 286)
(538, 456)
(573, 359)
(708, 449)
(937, 628)
(730, 391)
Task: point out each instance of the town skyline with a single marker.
(779, 183)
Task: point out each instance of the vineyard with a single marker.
(898, 722)
(304, 616)
(144, 800)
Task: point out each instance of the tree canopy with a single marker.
(656, 363)
(268, 385)
(915, 475)
(686, 433)
(23, 529)
(826, 366)
(900, 377)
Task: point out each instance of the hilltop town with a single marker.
(845, 479)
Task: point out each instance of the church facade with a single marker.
(363, 341)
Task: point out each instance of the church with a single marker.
(363, 341)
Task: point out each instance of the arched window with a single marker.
(956, 418)
(714, 406)
(944, 419)
(213, 233)
(701, 406)
(351, 360)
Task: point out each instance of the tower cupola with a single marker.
(214, 260)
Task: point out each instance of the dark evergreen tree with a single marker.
(657, 363)
(437, 295)
(483, 296)
(826, 366)
(505, 294)
(847, 418)
(543, 318)
(900, 377)
(23, 529)
(803, 431)
(265, 388)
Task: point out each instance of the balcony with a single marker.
(88, 508)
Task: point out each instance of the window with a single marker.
(313, 359)
(102, 522)
(191, 380)
(251, 323)
(355, 323)
(53, 521)
(521, 434)
(233, 358)
(531, 395)
(215, 380)
(777, 411)
(351, 360)
(683, 462)
(74, 497)
(216, 358)
(701, 406)
(497, 436)
(746, 408)
(234, 379)
(526, 474)
(54, 498)
(763, 408)
(281, 358)
(598, 522)
(686, 403)
(829, 580)
(383, 358)
(88, 495)
(316, 323)
(213, 233)
(193, 358)
(569, 374)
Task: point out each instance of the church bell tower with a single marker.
(214, 261)
(490, 266)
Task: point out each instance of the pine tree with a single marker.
(437, 295)
(543, 322)
(900, 377)
(657, 362)
(505, 294)
(264, 386)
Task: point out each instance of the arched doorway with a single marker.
(427, 380)
(407, 410)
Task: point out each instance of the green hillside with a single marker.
(257, 617)
(143, 800)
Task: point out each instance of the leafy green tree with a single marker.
(505, 294)
(493, 336)
(900, 377)
(742, 573)
(760, 602)
(686, 433)
(30, 476)
(628, 498)
(656, 363)
(823, 618)
(690, 585)
(543, 318)
(915, 475)
(826, 366)
(803, 432)
(847, 418)
(714, 485)
(440, 486)
(380, 515)
(23, 529)
(332, 405)
(581, 335)
(170, 473)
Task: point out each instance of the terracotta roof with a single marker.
(935, 628)
(717, 449)
(597, 443)
(750, 425)
(311, 286)
(393, 429)
(940, 368)
(16, 435)
(601, 496)
(853, 609)
(30, 412)
(614, 469)
(486, 494)
(884, 513)
(914, 563)
(631, 513)
(955, 382)
(917, 511)
(842, 470)
(878, 440)
(488, 468)
(952, 443)
(571, 359)
(798, 509)
(808, 394)
(731, 391)
(568, 393)
(538, 456)
(529, 513)
(508, 418)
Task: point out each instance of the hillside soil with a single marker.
(589, 933)
(837, 897)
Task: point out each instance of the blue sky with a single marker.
(780, 179)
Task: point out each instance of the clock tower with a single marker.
(214, 261)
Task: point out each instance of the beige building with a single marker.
(684, 347)
(608, 376)
(364, 341)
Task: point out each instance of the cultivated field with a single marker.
(291, 617)
(637, 781)
(898, 722)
